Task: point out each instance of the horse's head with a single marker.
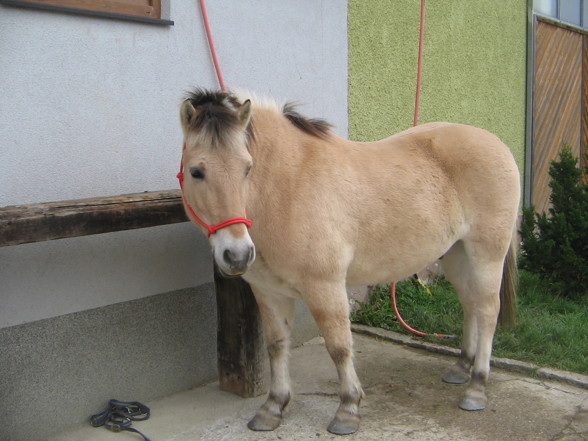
(216, 165)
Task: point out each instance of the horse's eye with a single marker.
(197, 173)
(248, 169)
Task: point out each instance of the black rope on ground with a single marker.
(119, 416)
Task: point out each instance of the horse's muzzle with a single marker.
(236, 262)
(233, 256)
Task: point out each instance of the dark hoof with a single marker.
(347, 427)
(456, 377)
(264, 422)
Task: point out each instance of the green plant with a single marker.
(555, 245)
(550, 331)
(438, 312)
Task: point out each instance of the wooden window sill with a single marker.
(86, 12)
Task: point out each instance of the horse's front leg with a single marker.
(277, 315)
(330, 307)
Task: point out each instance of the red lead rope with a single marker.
(415, 122)
(234, 220)
(217, 68)
(210, 228)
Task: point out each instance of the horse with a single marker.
(300, 213)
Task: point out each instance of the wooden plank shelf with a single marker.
(20, 224)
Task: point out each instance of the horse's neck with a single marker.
(277, 143)
(277, 140)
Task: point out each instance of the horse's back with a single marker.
(455, 144)
(479, 165)
(443, 158)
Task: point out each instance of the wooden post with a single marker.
(240, 343)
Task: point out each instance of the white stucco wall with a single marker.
(89, 108)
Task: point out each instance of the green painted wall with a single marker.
(474, 68)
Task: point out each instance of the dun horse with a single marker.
(300, 213)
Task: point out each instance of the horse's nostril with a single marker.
(228, 256)
(238, 260)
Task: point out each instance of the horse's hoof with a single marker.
(264, 422)
(473, 403)
(456, 377)
(347, 427)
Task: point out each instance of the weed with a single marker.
(551, 330)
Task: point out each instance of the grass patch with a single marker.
(551, 331)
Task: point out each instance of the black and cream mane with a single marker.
(216, 114)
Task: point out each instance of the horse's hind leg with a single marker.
(477, 283)
(455, 264)
(277, 314)
(329, 306)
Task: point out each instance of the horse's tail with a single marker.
(508, 288)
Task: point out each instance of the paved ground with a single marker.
(405, 400)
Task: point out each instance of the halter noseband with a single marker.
(210, 228)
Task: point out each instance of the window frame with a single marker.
(104, 8)
(557, 16)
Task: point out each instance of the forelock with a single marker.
(216, 115)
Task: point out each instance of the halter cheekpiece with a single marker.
(210, 228)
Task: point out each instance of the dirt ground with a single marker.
(405, 400)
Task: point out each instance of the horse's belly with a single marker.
(392, 264)
(373, 274)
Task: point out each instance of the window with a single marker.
(574, 12)
(140, 10)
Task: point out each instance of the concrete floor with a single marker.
(405, 400)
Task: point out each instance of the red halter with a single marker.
(210, 228)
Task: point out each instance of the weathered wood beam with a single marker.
(20, 224)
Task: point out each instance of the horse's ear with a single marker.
(244, 112)
(187, 112)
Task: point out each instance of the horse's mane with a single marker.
(313, 126)
(217, 113)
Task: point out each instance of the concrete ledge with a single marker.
(56, 372)
(530, 369)
(405, 401)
